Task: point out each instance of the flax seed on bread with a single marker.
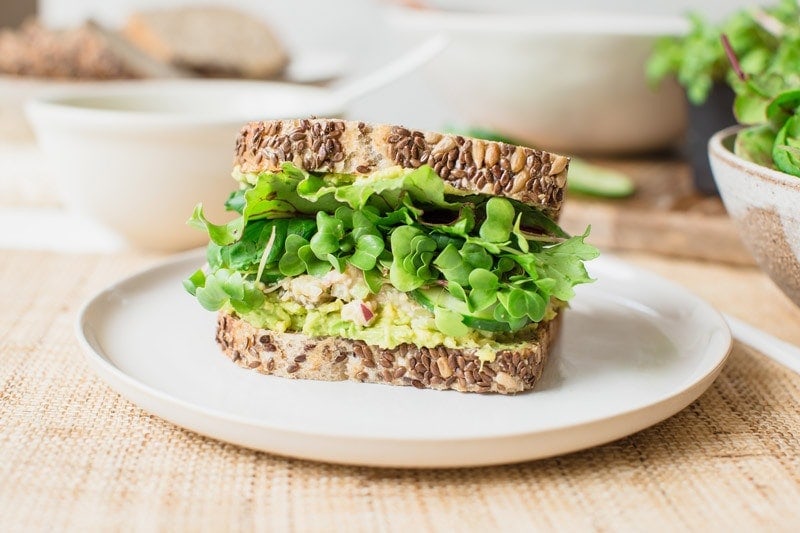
(294, 355)
(531, 176)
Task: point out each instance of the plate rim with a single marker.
(117, 379)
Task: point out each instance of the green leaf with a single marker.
(522, 241)
(783, 107)
(755, 144)
(368, 248)
(481, 278)
(452, 265)
(235, 201)
(227, 287)
(563, 263)
(195, 281)
(412, 252)
(336, 262)
(313, 265)
(499, 220)
(750, 107)
(374, 279)
(221, 235)
(290, 264)
(480, 299)
(785, 152)
(536, 306)
(245, 254)
(345, 214)
(457, 290)
(476, 256)
(330, 232)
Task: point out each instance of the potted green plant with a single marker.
(754, 55)
(755, 164)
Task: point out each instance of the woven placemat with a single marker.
(77, 456)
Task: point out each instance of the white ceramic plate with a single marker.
(635, 349)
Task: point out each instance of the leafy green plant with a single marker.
(495, 262)
(757, 52)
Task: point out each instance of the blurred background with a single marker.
(355, 34)
(566, 77)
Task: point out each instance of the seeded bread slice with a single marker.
(531, 176)
(294, 355)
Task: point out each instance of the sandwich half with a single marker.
(387, 255)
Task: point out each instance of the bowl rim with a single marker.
(52, 104)
(567, 22)
(718, 150)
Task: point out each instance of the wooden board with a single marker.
(666, 215)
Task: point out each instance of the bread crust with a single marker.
(531, 176)
(294, 355)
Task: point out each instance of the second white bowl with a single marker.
(569, 82)
(137, 156)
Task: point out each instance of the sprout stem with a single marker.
(737, 68)
(267, 249)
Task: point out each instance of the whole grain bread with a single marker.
(294, 355)
(209, 41)
(531, 176)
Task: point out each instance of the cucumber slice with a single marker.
(594, 180)
(440, 297)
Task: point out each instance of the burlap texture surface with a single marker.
(76, 456)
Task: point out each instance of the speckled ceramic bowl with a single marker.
(765, 204)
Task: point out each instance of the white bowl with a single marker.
(570, 82)
(137, 156)
(765, 204)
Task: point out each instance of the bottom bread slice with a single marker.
(294, 355)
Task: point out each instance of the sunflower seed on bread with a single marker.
(294, 355)
(531, 176)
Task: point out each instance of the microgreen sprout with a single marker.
(492, 263)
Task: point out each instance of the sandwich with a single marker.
(383, 254)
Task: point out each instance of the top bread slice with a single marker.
(534, 177)
(210, 41)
